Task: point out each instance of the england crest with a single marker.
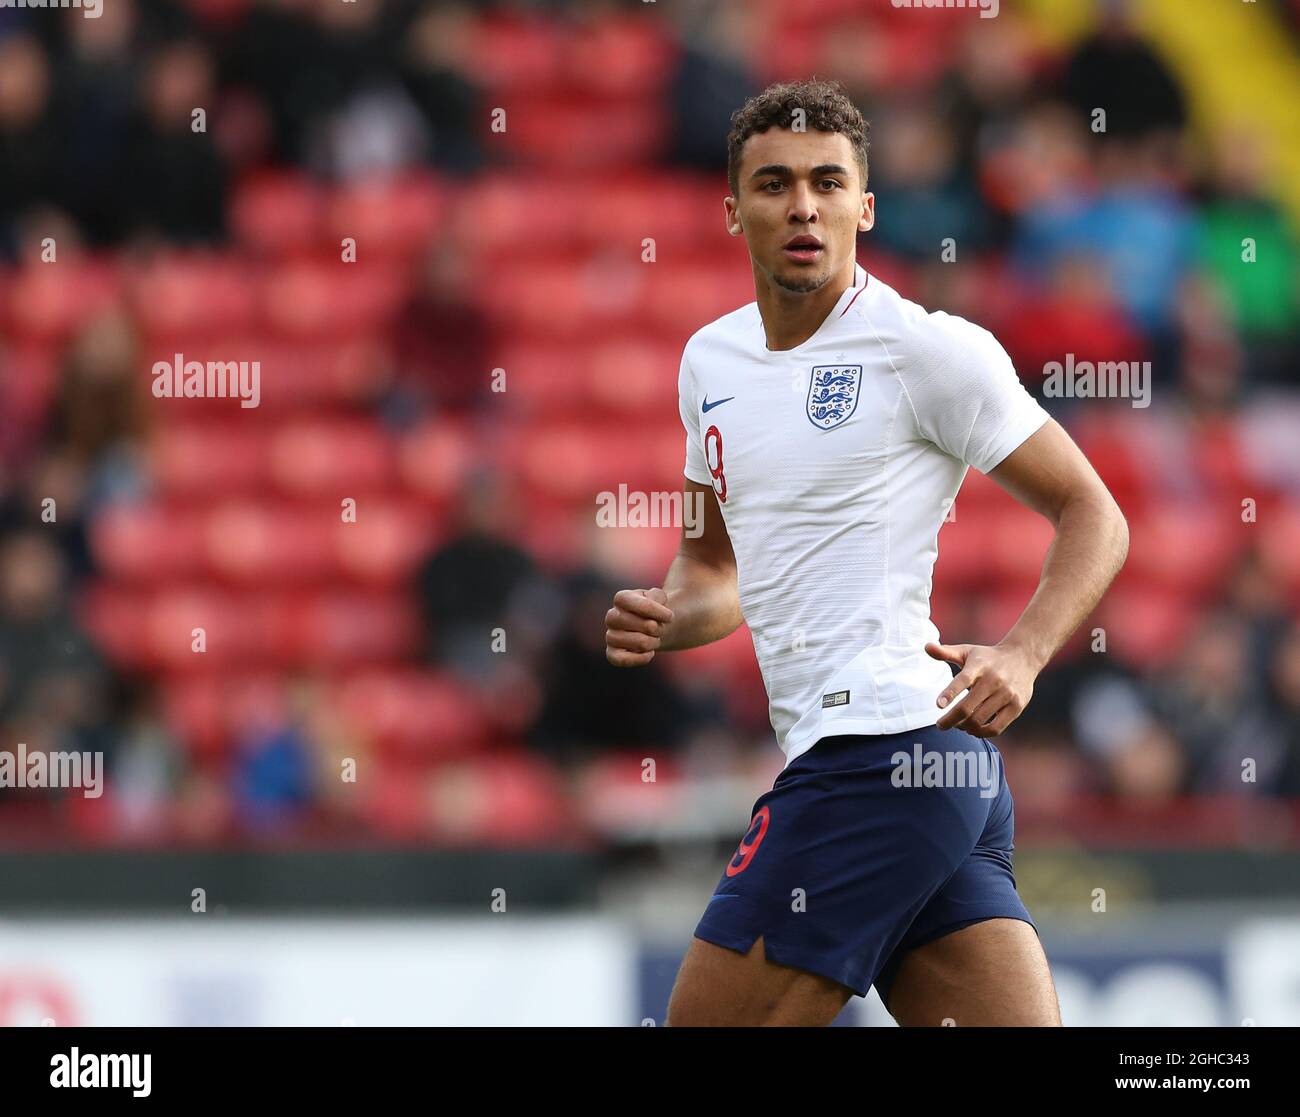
(833, 394)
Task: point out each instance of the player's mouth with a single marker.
(803, 249)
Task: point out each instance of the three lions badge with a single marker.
(833, 394)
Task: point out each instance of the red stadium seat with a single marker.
(1178, 546)
(617, 800)
(564, 131)
(217, 458)
(548, 223)
(680, 298)
(1017, 544)
(628, 208)
(279, 214)
(330, 299)
(182, 298)
(397, 802)
(633, 375)
(348, 629)
(507, 799)
(434, 460)
(301, 376)
(576, 460)
(47, 302)
(964, 550)
(387, 541)
(544, 377)
(148, 543)
(516, 55)
(1114, 444)
(27, 394)
(1221, 458)
(567, 297)
(154, 629)
(237, 630)
(412, 714)
(1145, 627)
(620, 56)
(1280, 547)
(253, 543)
(333, 459)
(206, 710)
(387, 218)
(730, 659)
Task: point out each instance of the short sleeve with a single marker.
(966, 395)
(696, 468)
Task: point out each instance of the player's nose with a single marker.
(803, 205)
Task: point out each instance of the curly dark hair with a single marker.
(826, 108)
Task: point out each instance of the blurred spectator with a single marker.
(1217, 711)
(1036, 162)
(96, 91)
(440, 340)
(1284, 678)
(28, 135)
(1117, 70)
(99, 419)
(438, 75)
(50, 671)
(1073, 312)
(1139, 758)
(149, 762)
(923, 196)
(479, 581)
(340, 79)
(1141, 229)
(988, 86)
(1247, 245)
(274, 771)
(714, 75)
(177, 175)
(590, 706)
(1256, 592)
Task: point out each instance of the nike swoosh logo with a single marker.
(707, 406)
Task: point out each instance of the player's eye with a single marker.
(775, 182)
(829, 183)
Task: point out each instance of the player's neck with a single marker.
(790, 319)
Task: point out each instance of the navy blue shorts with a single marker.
(856, 857)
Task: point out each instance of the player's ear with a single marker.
(868, 218)
(734, 227)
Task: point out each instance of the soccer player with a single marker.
(829, 425)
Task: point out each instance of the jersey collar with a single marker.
(841, 308)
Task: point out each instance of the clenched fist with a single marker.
(634, 627)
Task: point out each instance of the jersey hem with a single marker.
(871, 727)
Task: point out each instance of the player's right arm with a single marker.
(698, 603)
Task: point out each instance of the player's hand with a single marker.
(999, 682)
(635, 626)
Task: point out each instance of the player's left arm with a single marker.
(1049, 474)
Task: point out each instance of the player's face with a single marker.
(800, 207)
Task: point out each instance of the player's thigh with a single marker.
(990, 974)
(717, 987)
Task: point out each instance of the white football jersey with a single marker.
(834, 464)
